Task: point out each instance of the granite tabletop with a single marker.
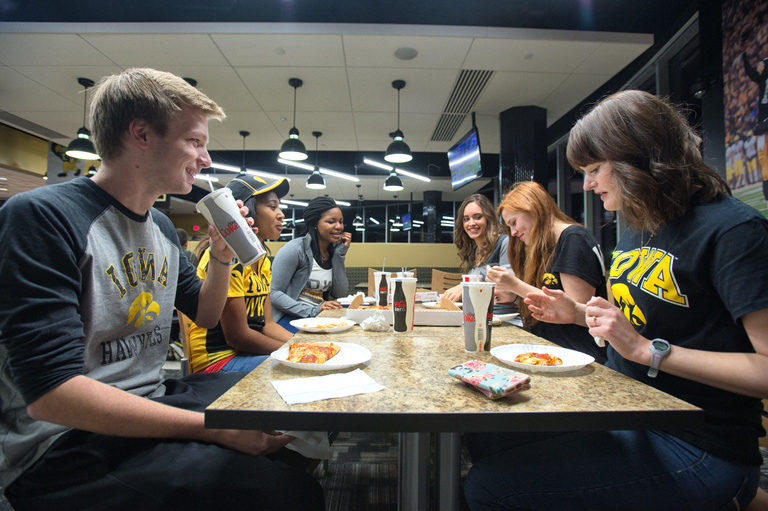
(420, 395)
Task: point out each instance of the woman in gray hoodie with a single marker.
(309, 272)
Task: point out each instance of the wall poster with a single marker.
(745, 75)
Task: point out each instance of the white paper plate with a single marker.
(312, 325)
(350, 355)
(572, 360)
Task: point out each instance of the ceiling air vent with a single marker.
(467, 89)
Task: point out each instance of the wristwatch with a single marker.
(659, 349)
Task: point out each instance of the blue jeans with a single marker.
(285, 322)
(243, 363)
(605, 470)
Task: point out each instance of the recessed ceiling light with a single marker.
(406, 53)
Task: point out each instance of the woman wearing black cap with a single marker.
(246, 332)
(309, 271)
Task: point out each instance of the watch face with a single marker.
(659, 346)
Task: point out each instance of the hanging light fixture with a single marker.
(393, 183)
(243, 171)
(398, 151)
(293, 149)
(316, 181)
(358, 221)
(82, 147)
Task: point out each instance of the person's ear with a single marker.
(138, 133)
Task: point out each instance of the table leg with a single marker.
(413, 472)
(448, 471)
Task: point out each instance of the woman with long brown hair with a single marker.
(480, 243)
(547, 247)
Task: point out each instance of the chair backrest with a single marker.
(186, 360)
(372, 283)
(442, 280)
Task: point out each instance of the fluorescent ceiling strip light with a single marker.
(343, 203)
(232, 168)
(224, 166)
(294, 202)
(206, 177)
(448, 218)
(377, 164)
(399, 171)
(413, 175)
(373, 220)
(340, 175)
(304, 166)
(268, 175)
(418, 222)
(311, 168)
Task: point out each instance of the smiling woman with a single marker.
(246, 332)
(309, 271)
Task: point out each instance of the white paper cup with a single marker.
(470, 278)
(381, 287)
(477, 303)
(220, 209)
(403, 304)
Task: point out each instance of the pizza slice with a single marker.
(538, 359)
(312, 352)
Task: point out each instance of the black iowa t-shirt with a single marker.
(690, 285)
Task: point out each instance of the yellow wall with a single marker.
(407, 255)
(21, 151)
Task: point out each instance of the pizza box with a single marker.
(421, 317)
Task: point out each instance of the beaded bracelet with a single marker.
(231, 263)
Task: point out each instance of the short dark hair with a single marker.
(183, 236)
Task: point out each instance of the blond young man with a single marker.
(88, 421)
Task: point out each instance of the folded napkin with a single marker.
(306, 390)
(310, 444)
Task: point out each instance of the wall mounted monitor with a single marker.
(464, 160)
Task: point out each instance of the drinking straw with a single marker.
(383, 263)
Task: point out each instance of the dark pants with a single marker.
(87, 471)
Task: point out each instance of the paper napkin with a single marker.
(310, 444)
(306, 390)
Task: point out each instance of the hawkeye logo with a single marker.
(549, 279)
(652, 271)
(143, 309)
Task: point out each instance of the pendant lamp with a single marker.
(393, 183)
(316, 181)
(398, 151)
(293, 149)
(358, 221)
(82, 147)
(242, 169)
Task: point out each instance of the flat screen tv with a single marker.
(464, 160)
(407, 224)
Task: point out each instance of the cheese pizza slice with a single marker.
(312, 352)
(538, 359)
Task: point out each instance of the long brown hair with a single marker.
(654, 154)
(469, 251)
(530, 262)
